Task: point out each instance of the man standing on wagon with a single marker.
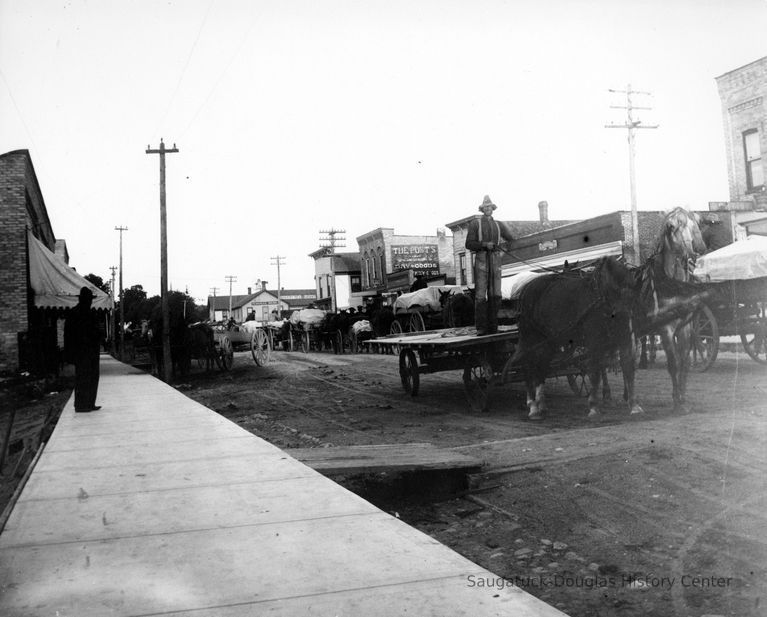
(485, 238)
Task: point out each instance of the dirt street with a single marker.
(654, 515)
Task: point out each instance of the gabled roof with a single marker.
(220, 303)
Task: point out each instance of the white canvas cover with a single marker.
(511, 286)
(362, 326)
(745, 259)
(426, 300)
(54, 283)
(307, 316)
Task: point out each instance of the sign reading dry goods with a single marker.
(420, 258)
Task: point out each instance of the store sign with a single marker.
(420, 258)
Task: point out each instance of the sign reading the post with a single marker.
(420, 258)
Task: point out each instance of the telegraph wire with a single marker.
(186, 66)
(221, 76)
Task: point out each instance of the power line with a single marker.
(631, 124)
(186, 66)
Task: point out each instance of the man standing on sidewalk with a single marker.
(485, 238)
(82, 344)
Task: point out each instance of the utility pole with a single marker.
(278, 261)
(631, 125)
(167, 367)
(331, 241)
(121, 229)
(112, 321)
(230, 279)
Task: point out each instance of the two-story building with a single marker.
(337, 279)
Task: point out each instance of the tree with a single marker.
(95, 279)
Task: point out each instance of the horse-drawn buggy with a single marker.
(735, 279)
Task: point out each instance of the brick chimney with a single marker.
(249, 291)
(263, 285)
(543, 211)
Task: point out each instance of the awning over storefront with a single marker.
(558, 259)
(54, 283)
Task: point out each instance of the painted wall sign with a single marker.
(420, 258)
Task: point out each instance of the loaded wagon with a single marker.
(305, 331)
(735, 278)
(421, 310)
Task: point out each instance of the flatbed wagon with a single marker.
(484, 359)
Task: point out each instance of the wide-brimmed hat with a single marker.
(85, 292)
(487, 202)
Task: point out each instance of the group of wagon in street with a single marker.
(574, 322)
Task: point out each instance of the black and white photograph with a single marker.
(360, 308)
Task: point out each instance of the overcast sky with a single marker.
(295, 116)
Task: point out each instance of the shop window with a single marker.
(753, 154)
(462, 268)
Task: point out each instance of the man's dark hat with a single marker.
(487, 202)
(85, 292)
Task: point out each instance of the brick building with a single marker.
(743, 94)
(384, 254)
(36, 284)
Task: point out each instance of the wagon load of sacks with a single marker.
(307, 317)
(362, 326)
(423, 300)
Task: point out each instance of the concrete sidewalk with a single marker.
(156, 505)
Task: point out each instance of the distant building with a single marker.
(260, 304)
(337, 279)
(390, 262)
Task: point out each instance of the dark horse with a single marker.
(669, 297)
(457, 308)
(564, 314)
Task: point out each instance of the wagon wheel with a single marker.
(226, 353)
(304, 341)
(416, 323)
(395, 328)
(408, 372)
(353, 343)
(476, 384)
(338, 342)
(260, 347)
(705, 339)
(755, 343)
(579, 384)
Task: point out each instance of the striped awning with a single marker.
(54, 283)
